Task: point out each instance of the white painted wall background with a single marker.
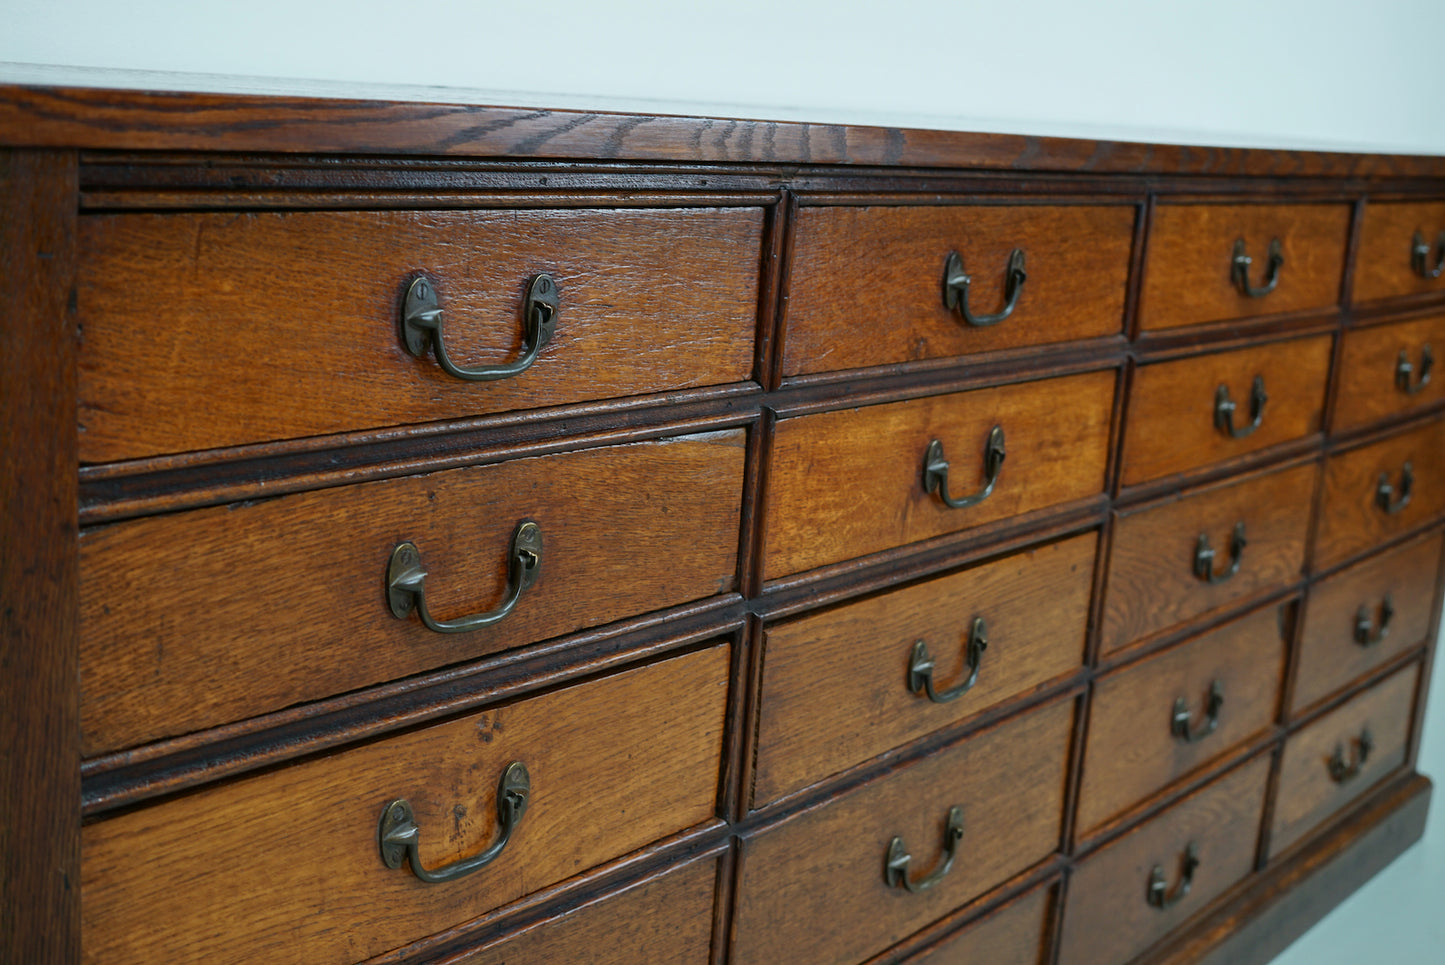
(1345, 74)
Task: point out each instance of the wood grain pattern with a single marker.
(850, 482)
(1369, 358)
(1151, 582)
(625, 529)
(1306, 793)
(286, 866)
(1187, 277)
(287, 323)
(1382, 266)
(1015, 934)
(814, 889)
(834, 686)
(1170, 425)
(867, 283)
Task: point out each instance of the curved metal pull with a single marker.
(1367, 632)
(1343, 771)
(1159, 895)
(1391, 499)
(1272, 266)
(421, 324)
(956, 282)
(406, 582)
(1179, 724)
(399, 834)
(895, 869)
(1204, 556)
(1405, 378)
(920, 666)
(935, 471)
(1420, 256)
(1224, 408)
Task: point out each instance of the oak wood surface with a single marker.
(1015, 934)
(867, 282)
(1368, 388)
(1382, 265)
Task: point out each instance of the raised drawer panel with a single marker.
(833, 693)
(868, 283)
(1189, 275)
(851, 482)
(1389, 370)
(1016, 934)
(304, 611)
(1179, 419)
(288, 864)
(1387, 264)
(287, 325)
(814, 889)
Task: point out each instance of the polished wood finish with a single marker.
(1016, 934)
(1386, 237)
(1369, 388)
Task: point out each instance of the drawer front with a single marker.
(305, 612)
(1164, 555)
(1190, 275)
(1369, 496)
(852, 482)
(815, 889)
(1359, 619)
(266, 313)
(1226, 683)
(1388, 370)
(1388, 263)
(1190, 413)
(869, 284)
(293, 856)
(1113, 911)
(832, 691)
(1326, 765)
(1015, 934)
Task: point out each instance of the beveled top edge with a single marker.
(125, 120)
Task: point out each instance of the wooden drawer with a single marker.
(1138, 744)
(1190, 413)
(816, 890)
(1357, 620)
(1159, 562)
(832, 694)
(1111, 917)
(1016, 934)
(852, 482)
(1364, 491)
(1387, 264)
(869, 283)
(1387, 370)
(204, 617)
(1190, 275)
(1325, 767)
(264, 314)
(289, 863)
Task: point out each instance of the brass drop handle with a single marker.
(1224, 408)
(1343, 771)
(895, 869)
(1160, 896)
(1420, 255)
(1181, 726)
(1204, 557)
(1242, 261)
(935, 471)
(1392, 499)
(1406, 379)
(956, 282)
(421, 325)
(406, 582)
(399, 834)
(920, 666)
(1367, 632)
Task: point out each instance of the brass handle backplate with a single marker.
(1390, 498)
(421, 326)
(1343, 770)
(920, 666)
(398, 833)
(1159, 895)
(1240, 269)
(935, 471)
(1409, 379)
(1420, 256)
(1368, 633)
(895, 868)
(1204, 557)
(1181, 726)
(956, 282)
(1224, 408)
(406, 582)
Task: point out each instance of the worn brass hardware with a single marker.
(1420, 255)
(1393, 499)
(935, 471)
(895, 869)
(1224, 408)
(1179, 723)
(406, 582)
(920, 666)
(1159, 895)
(1406, 379)
(1367, 632)
(956, 282)
(1204, 556)
(421, 324)
(1242, 261)
(399, 834)
(1343, 771)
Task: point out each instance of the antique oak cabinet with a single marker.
(455, 534)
